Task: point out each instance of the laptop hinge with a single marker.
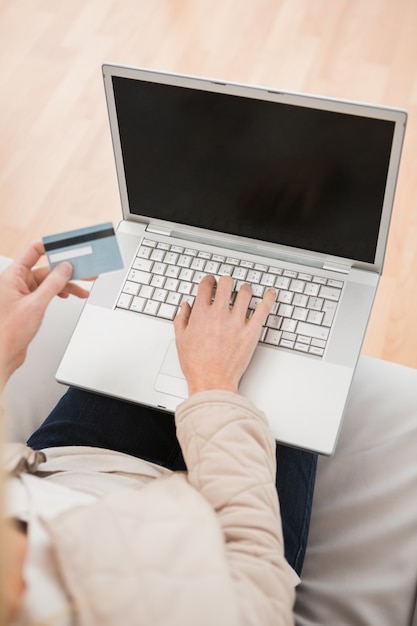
(158, 230)
(335, 267)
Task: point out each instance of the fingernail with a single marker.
(65, 269)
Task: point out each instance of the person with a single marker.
(122, 514)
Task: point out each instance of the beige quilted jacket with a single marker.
(196, 549)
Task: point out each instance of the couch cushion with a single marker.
(361, 561)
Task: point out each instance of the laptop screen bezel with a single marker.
(397, 116)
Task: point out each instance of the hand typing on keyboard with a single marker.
(163, 276)
(215, 341)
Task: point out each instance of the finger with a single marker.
(242, 301)
(264, 307)
(224, 290)
(205, 291)
(52, 285)
(182, 318)
(31, 255)
(72, 289)
(40, 274)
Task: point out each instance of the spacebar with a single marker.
(311, 330)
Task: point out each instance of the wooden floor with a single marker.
(56, 160)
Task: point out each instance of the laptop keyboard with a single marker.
(162, 276)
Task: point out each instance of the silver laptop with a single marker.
(275, 189)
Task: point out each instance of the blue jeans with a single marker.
(82, 418)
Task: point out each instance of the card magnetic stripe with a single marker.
(73, 241)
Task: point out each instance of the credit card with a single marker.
(91, 251)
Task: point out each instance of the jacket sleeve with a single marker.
(230, 456)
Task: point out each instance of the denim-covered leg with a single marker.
(82, 418)
(296, 474)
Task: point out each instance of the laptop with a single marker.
(273, 188)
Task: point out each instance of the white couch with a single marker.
(361, 563)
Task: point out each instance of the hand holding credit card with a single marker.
(91, 251)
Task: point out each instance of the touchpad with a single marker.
(170, 379)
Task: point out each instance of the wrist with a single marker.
(7, 365)
(198, 386)
(5, 372)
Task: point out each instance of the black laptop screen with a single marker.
(292, 175)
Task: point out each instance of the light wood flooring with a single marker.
(56, 161)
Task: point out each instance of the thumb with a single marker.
(53, 284)
(182, 318)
